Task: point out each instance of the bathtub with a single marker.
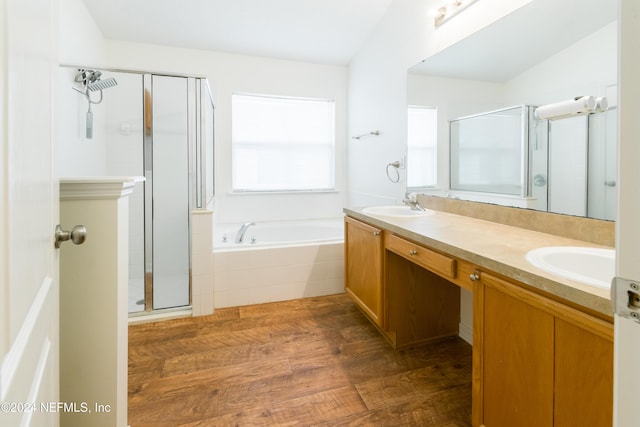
(277, 261)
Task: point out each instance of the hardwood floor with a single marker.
(315, 361)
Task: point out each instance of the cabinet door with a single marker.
(538, 362)
(584, 377)
(517, 360)
(363, 267)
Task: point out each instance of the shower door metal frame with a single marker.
(198, 94)
(193, 123)
(149, 183)
(147, 119)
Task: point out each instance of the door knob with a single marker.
(78, 234)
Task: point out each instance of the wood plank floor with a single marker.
(314, 361)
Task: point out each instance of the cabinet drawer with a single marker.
(432, 261)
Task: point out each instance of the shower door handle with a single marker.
(77, 235)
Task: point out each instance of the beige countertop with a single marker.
(496, 247)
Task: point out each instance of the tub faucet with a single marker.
(242, 230)
(411, 201)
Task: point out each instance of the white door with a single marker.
(29, 290)
(627, 332)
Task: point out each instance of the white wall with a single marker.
(229, 73)
(80, 43)
(378, 88)
(378, 100)
(587, 67)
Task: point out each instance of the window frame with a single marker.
(433, 148)
(329, 145)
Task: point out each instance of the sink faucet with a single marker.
(411, 201)
(242, 230)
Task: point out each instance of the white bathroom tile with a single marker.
(324, 287)
(202, 295)
(230, 298)
(327, 270)
(201, 263)
(201, 239)
(195, 306)
(201, 243)
(198, 284)
(258, 275)
(234, 280)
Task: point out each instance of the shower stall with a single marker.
(133, 123)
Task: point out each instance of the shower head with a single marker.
(101, 84)
(90, 79)
(87, 76)
(93, 76)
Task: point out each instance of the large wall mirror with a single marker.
(543, 53)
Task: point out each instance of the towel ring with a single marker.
(396, 165)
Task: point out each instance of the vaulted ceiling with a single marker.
(322, 31)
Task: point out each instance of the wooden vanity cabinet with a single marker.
(538, 362)
(363, 267)
(404, 288)
(421, 303)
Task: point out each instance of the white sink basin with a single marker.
(590, 266)
(395, 211)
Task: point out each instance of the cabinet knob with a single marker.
(376, 233)
(413, 252)
(475, 276)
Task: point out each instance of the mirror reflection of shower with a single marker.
(91, 81)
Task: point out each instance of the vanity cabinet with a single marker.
(403, 287)
(363, 268)
(421, 303)
(538, 362)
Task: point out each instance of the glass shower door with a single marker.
(122, 127)
(167, 210)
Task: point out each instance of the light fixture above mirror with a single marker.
(448, 10)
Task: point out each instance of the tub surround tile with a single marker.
(202, 263)
(281, 292)
(259, 275)
(497, 247)
(202, 302)
(201, 223)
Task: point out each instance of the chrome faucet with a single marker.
(242, 230)
(410, 199)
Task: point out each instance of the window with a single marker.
(422, 147)
(282, 144)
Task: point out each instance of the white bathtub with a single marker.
(277, 261)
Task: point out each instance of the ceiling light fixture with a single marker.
(448, 10)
